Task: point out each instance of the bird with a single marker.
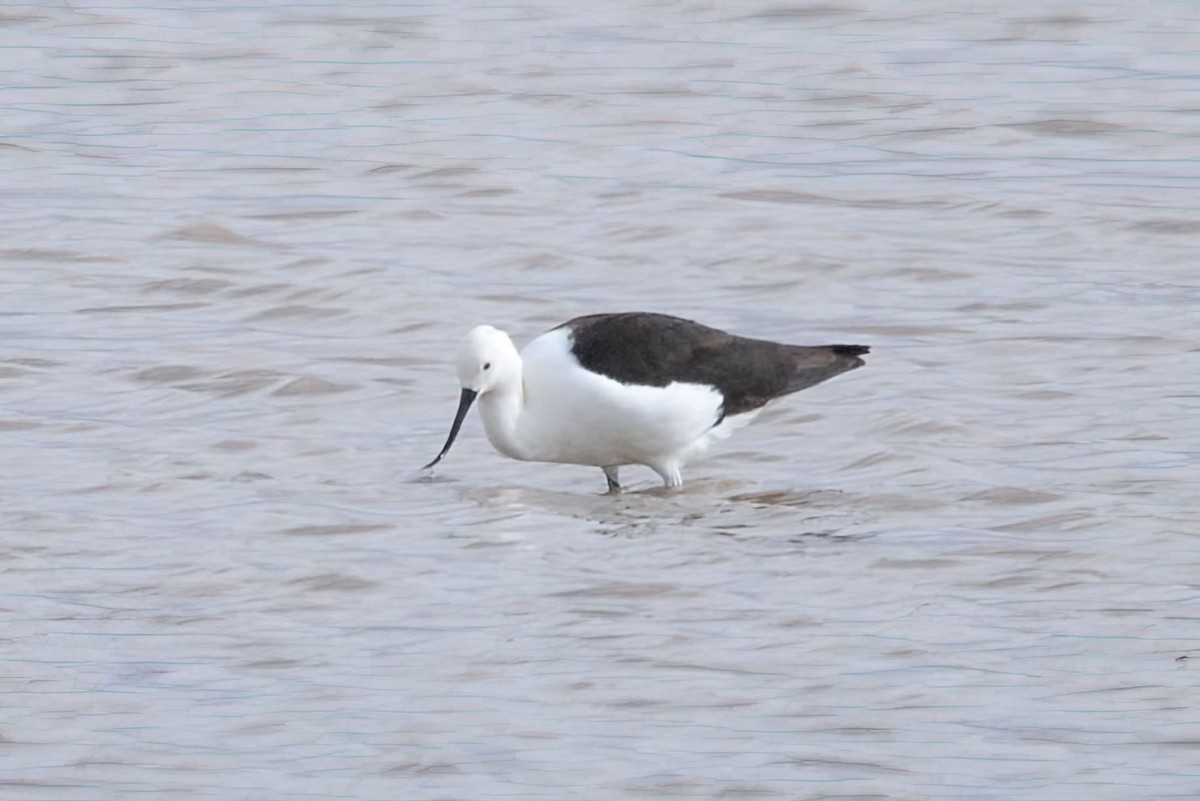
(628, 388)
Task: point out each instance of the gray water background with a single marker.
(240, 243)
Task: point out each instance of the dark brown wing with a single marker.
(658, 349)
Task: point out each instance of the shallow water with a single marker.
(240, 243)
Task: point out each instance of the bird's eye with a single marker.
(487, 365)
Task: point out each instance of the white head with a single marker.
(488, 360)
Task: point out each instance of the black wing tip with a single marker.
(850, 350)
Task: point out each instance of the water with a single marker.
(239, 243)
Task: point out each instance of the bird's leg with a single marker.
(670, 475)
(614, 484)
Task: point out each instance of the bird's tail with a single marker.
(851, 352)
(814, 365)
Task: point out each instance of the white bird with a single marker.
(632, 388)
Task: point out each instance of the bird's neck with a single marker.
(501, 412)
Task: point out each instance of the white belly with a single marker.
(572, 415)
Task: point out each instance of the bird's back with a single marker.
(658, 349)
